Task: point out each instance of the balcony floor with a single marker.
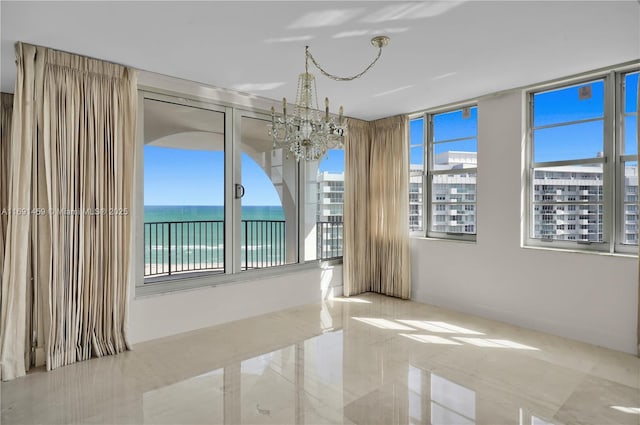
(363, 360)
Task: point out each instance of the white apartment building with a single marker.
(415, 196)
(568, 204)
(330, 196)
(329, 214)
(453, 195)
(568, 200)
(630, 199)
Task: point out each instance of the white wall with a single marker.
(156, 316)
(588, 297)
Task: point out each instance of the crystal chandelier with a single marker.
(308, 133)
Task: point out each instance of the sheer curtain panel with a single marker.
(390, 271)
(16, 274)
(376, 235)
(6, 113)
(72, 155)
(356, 238)
(15, 360)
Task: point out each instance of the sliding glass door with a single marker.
(184, 186)
(218, 199)
(266, 194)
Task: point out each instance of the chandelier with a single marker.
(307, 133)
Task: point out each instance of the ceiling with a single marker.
(440, 52)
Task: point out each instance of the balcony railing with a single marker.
(182, 246)
(174, 247)
(189, 246)
(263, 244)
(329, 238)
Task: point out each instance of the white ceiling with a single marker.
(440, 52)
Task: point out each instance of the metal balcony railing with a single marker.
(173, 247)
(329, 239)
(181, 246)
(263, 244)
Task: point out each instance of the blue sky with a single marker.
(188, 177)
(192, 177)
(552, 144)
(183, 177)
(333, 162)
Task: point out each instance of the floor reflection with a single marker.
(303, 383)
(297, 384)
(371, 360)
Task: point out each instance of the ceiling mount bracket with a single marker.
(380, 41)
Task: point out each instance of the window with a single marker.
(449, 143)
(416, 175)
(268, 219)
(218, 199)
(184, 180)
(577, 163)
(323, 223)
(627, 175)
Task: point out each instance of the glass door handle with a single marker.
(239, 191)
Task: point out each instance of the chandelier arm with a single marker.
(335, 77)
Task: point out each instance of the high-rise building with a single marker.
(453, 195)
(630, 207)
(453, 207)
(568, 201)
(415, 196)
(568, 204)
(330, 196)
(329, 214)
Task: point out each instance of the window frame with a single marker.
(232, 274)
(236, 166)
(419, 232)
(611, 161)
(428, 173)
(329, 260)
(621, 158)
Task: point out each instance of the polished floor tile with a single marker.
(362, 360)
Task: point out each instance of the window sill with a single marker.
(438, 239)
(324, 264)
(581, 251)
(176, 284)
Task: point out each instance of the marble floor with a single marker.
(362, 360)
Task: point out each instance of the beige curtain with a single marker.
(389, 208)
(638, 142)
(356, 237)
(376, 229)
(6, 112)
(16, 274)
(73, 150)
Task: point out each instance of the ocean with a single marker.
(182, 238)
(155, 213)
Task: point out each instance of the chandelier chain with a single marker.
(306, 71)
(335, 77)
(307, 133)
